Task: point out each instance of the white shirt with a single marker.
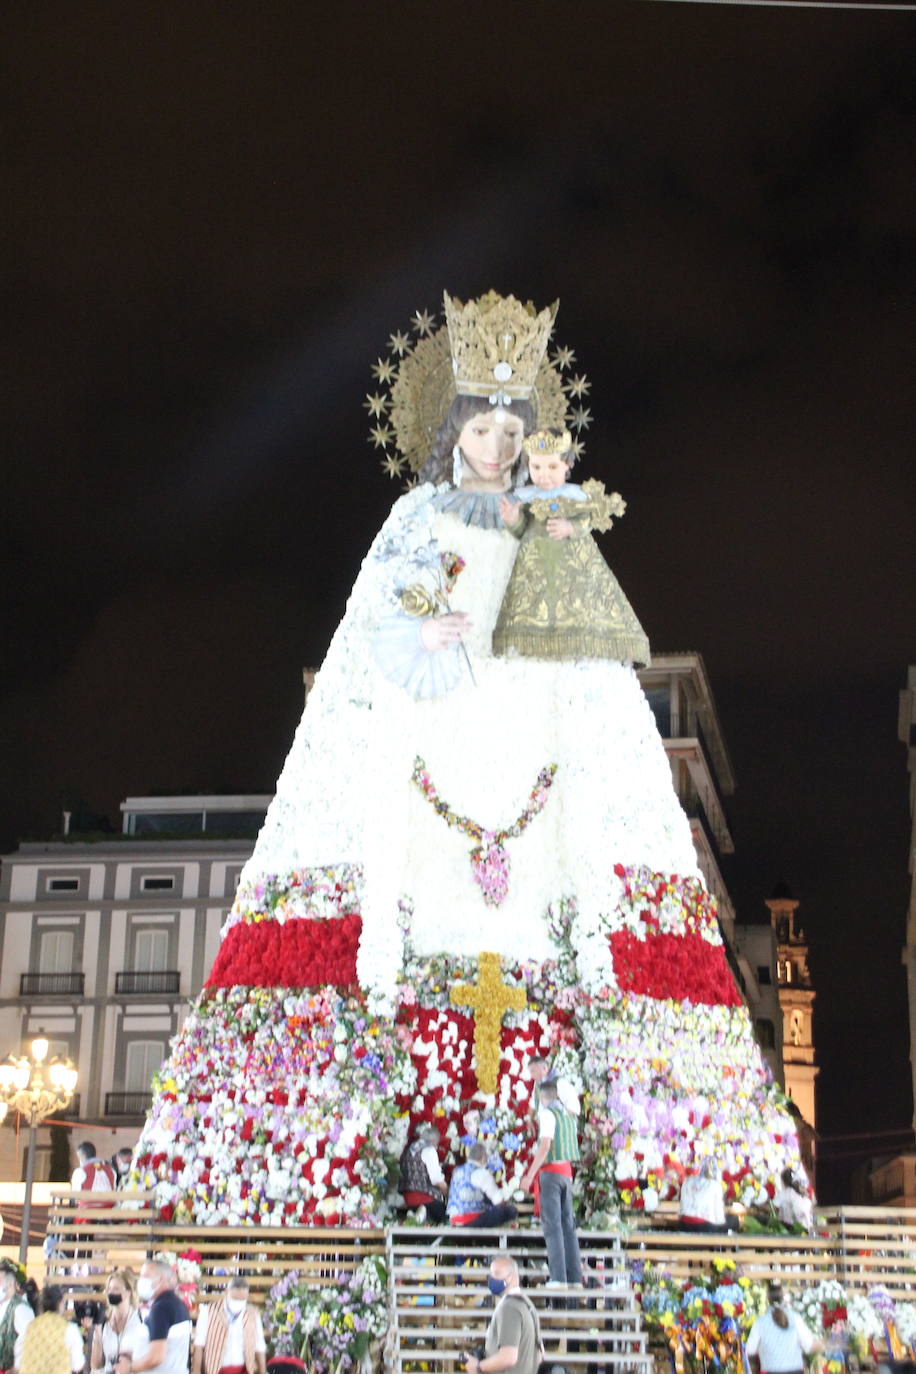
(778, 1349)
(702, 1198)
(21, 1318)
(792, 1209)
(569, 1098)
(430, 1159)
(116, 1343)
(234, 1349)
(547, 1124)
(485, 1183)
(75, 1347)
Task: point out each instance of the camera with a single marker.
(88, 1310)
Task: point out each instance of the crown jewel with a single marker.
(546, 442)
(497, 345)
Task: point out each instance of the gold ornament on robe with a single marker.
(489, 999)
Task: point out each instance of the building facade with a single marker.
(102, 945)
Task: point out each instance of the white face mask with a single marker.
(235, 1305)
(145, 1288)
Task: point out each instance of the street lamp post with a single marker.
(35, 1089)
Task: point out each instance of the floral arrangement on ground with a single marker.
(707, 1318)
(702, 1319)
(332, 1327)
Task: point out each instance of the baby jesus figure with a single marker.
(562, 600)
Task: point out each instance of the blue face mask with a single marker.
(496, 1286)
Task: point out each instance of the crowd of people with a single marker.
(143, 1327)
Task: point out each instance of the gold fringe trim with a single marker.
(572, 644)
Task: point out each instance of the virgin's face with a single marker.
(491, 442)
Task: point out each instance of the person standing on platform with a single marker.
(551, 1172)
(229, 1336)
(541, 1072)
(474, 1198)
(92, 1175)
(168, 1325)
(422, 1183)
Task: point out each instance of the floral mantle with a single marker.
(283, 1102)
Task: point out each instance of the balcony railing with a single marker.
(51, 984)
(161, 984)
(127, 1104)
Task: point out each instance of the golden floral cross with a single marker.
(489, 999)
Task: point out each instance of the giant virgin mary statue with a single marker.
(470, 859)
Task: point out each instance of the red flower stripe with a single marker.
(685, 968)
(294, 954)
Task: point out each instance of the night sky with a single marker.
(215, 215)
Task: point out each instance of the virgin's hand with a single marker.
(510, 511)
(558, 528)
(441, 631)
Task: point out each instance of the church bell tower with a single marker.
(796, 1000)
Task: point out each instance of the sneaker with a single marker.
(555, 1283)
(421, 1215)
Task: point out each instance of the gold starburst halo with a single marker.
(422, 385)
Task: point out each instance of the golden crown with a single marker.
(543, 441)
(421, 376)
(497, 344)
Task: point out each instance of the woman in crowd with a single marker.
(119, 1332)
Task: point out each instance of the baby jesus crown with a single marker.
(548, 443)
(497, 345)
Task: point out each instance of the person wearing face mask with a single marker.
(122, 1328)
(168, 1325)
(229, 1338)
(514, 1334)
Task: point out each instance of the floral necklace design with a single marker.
(489, 860)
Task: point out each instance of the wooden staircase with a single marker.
(440, 1304)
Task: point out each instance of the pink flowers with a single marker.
(490, 867)
(489, 860)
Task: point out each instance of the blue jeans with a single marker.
(559, 1226)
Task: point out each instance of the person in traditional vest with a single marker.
(551, 1171)
(92, 1175)
(51, 1344)
(229, 1338)
(474, 1198)
(18, 1297)
(540, 1072)
(421, 1177)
